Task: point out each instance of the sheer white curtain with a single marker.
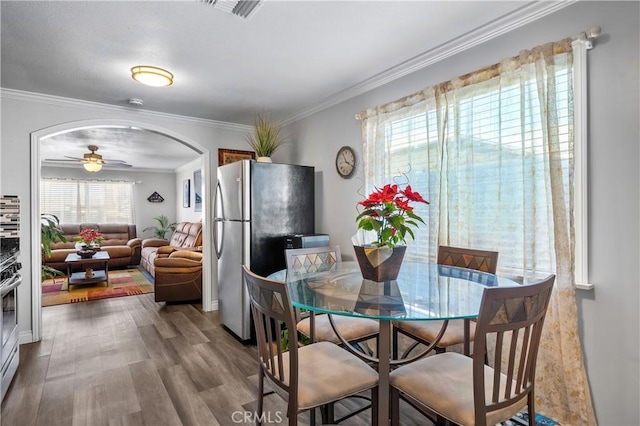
(493, 153)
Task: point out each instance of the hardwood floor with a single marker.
(131, 361)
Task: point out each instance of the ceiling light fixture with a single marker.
(93, 166)
(92, 161)
(152, 76)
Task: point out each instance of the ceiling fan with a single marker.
(93, 162)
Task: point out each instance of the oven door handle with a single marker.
(16, 281)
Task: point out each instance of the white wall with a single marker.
(146, 183)
(187, 214)
(608, 315)
(24, 113)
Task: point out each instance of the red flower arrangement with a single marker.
(388, 212)
(90, 237)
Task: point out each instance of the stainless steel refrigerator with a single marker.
(256, 206)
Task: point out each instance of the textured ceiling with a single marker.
(287, 57)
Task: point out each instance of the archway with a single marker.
(36, 137)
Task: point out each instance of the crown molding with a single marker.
(530, 12)
(62, 101)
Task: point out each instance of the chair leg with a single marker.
(395, 342)
(293, 419)
(327, 413)
(374, 406)
(312, 416)
(260, 397)
(531, 408)
(395, 407)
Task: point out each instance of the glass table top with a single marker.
(423, 291)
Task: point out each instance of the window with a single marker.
(493, 152)
(87, 201)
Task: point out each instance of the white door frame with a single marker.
(36, 288)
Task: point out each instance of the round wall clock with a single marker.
(346, 162)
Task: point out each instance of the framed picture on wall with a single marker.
(226, 156)
(197, 190)
(186, 193)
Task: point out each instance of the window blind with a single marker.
(87, 201)
(481, 154)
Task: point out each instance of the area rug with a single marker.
(522, 419)
(122, 282)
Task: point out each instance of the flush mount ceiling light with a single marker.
(152, 76)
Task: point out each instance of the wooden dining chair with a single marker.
(425, 332)
(310, 376)
(317, 327)
(511, 318)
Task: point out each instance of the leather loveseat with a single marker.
(176, 265)
(120, 241)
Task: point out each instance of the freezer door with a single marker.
(282, 200)
(232, 194)
(233, 300)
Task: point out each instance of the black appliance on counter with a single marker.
(297, 241)
(10, 279)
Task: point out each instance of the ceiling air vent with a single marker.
(242, 8)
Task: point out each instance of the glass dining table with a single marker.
(422, 292)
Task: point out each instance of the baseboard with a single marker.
(25, 337)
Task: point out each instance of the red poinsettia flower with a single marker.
(413, 196)
(388, 212)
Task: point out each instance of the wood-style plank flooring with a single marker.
(131, 361)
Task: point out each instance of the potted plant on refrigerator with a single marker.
(266, 137)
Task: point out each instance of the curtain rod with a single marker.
(593, 32)
(585, 37)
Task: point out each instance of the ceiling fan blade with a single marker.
(121, 165)
(72, 158)
(60, 160)
(105, 161)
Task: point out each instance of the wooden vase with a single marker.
(380, 264)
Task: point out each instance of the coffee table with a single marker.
(99, 262)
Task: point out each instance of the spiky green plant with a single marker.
(164, 227)
(266, 136)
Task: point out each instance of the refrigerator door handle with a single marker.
(218, 222)
(218, 238)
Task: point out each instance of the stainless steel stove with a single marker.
(10, 279)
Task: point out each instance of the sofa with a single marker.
(176, 264)
(120, 241)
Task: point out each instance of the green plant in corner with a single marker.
(163, 227)
(50, 232)
(266, 136)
